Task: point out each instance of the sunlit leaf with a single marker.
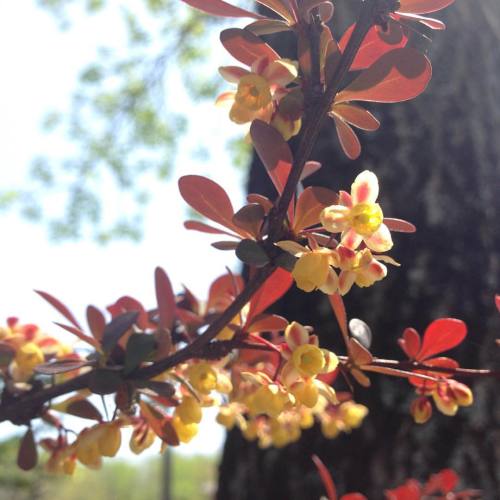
(274, 153)
(96, 322)
(399, 75)
(356, 115)
(165, 298)
(208, 198)
(326, 478)
(348, 139)
(423, 6)
(280, 8)
(246, 47)
(410, 342)
(195, 225)
(399, 225)
(223, 290)
(441, 335)
(267, 27)
(441, 362)
(310, 204)
(57, 304)
(267, 323)
(376, 43)
(274, 288)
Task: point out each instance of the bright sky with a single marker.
(39, 68)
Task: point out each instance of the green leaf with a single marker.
(104, 381)
(115, 330)
(251, 253)
(139, 348)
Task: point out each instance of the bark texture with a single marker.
(437, 159)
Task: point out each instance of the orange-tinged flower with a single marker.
(141, 439)
(258, 88)
(358, 217)
(421, 410)
(308, 360)
(360, 268)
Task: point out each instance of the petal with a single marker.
(296, 335)
(232, 73)
(380, 240)
(281, 72)
(371, 273)
(345, 199)
(335, 218)
(346, 280)
(292, 247)
(351, 239)
(332, 283)
(240, 114)
(364, 188)
(225, 100)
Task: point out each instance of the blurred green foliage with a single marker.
(122, 135)
(194, 478)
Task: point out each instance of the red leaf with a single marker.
(326, 478)
(497, 302)
(375, 44)
(444, 481)
(27, 456)
(129, 304)
(225, 245)
(338, 308)
(310, 204)
(441, 335)
(83, 408)
(267, 323)
(78, 333)
(274, 152)
(353, 496)
(220, 8)
(348, 139)
(223, 290)
(61, 366)
(249, 219)
(246, 47)
(423, 6)
(399, 225)
(310, 168)
(196, 225)
(410, 342)
(96, 322)
(279, 7)
(263, 201)
(274, 288)
(357, 116)
(208, 198)
(60, 307)
(399, 75)
(165, 298)
(411, 490)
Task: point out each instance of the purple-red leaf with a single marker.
(422, 6)
(78, 333)
(61, 366)
(165, 298)
(338, 308)
(410, 342)
(83, 408)
(246, 47)
(441, 335)
(196, 225)
(27, 456)
(220, 8)
(208, 198)
(399, 75)
(96, 322)
(399, 225)
(274, 153)
(348, 139)
(326, 478)
(357, 116)
(57, 304)
(267, 323)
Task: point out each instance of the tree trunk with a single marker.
(437, 159)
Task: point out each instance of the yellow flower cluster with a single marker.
(360, 221)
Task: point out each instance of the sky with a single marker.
(40, 64)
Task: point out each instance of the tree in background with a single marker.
(438, 159)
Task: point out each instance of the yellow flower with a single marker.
(358, 217)
(189, 411)
(308, 360)
(202, 377)
(28, 356)
(185, 432)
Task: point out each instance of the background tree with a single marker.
(437, 158)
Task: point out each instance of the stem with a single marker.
(315, 117)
